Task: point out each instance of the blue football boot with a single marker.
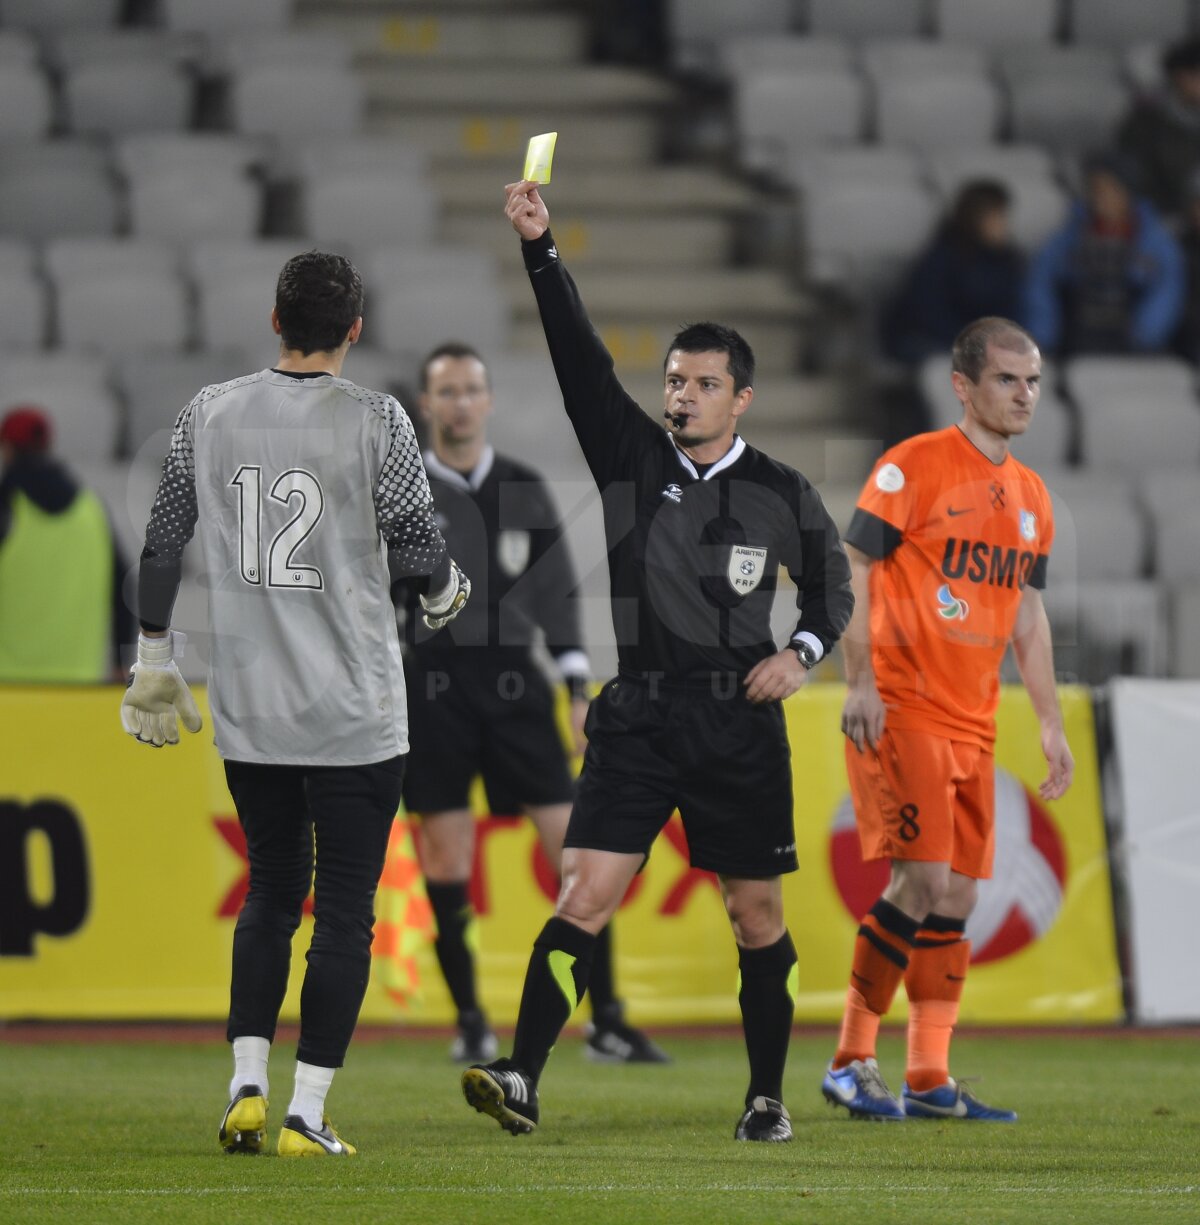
(861, 1089)
(952, 1101)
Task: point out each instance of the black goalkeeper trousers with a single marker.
(344, 814)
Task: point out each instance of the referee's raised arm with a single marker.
(607, 420)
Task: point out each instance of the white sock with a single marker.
(308, 1100)
(250, 1064)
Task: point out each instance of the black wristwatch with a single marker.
(805, 654)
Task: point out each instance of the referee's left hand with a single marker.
(775, 678)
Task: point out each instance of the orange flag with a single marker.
(404, 918)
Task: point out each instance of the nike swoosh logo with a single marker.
(955, 513)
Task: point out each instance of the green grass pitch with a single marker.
(126, 1132)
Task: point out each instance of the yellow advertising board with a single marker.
(122, 870)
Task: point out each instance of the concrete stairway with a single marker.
(469, 81)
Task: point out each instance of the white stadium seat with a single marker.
(865, 18)
(46, 201)
(1173, 501)
(781, 113)
(46, 16)
(220, 17)
(74, 259)
(751, 53)
(275, 100)
(74, 388)
(115, 96)
(1118, 25)
(26, 103)
(698, 28)
(195, 203)
(986, 23)
(1067, 113)
(936, 109)
(369, 207)
(884, 57)
(122, 312)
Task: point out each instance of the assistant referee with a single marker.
(698, 524)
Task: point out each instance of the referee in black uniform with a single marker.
(697, 524)
(480, 704)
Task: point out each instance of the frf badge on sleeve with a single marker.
(512, 551)
(746, 568)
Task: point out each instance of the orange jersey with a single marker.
(956, 539)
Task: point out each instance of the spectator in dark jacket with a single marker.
(1187, 339)
(969, 270)
(62, 618)
(1161, 134)
(1112, 279)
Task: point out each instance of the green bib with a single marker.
(56, 578)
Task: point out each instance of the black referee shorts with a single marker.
(489, 714)
(724, 763)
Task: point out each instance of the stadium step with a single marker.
(496, 136)
(495, 33)
(565, 89)
(606, 242)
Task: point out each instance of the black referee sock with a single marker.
(554, 984)
(768, 999)
(453, 914)
(601, 991)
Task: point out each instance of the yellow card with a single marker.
(539, 156)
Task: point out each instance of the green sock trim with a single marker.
(561, 965)
(793, 982)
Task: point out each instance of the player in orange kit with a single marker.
(948, 550)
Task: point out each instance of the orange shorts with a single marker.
(921, 796)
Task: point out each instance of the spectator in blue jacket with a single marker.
(970, 269)
(1112, 279)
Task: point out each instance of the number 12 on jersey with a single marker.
(295, 483)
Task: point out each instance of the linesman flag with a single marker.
(404, 918)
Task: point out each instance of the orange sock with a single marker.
(881, 952)
(934, 981)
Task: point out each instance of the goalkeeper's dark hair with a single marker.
(453, 349)
(317, 298)
(717, 338)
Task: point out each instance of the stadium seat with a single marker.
(367, 207)
(1100, 530)
(17, 47)
(157, 386)
(24, 301)
(42, 201)
(859, 236)
(26, 102)
(1067, 113)
(1185, 630)
(936, 109)
(220, 17)
(380, 370)
(885, 57)
(408, 266)
(1173, 501)
(879, 165)
(74, 259)
(314, 158)
(1142, 64)
(72, 48)
(116, 96)
(195, 203)
(865, 18)
(985, 23)
(1141, 379)
(1016, 65)
(698, 28)
(122, 311)
(45, 16)
(747, 54)
(780, 113)
(149, 154)
(414, 318)
(300, 49)
(1120, 432)
(74, 388)
(275, 100)
(1119, 25)
(1106, 628)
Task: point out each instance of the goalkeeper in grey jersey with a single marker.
(311, 499)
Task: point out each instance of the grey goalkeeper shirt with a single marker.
(311, 497)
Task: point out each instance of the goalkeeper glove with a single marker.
(448, 603)
(156, 693)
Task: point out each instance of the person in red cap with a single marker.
(62, 618)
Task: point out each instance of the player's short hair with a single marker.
(317, 298)
(969, 355)
(453, 349)
(717, 338)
